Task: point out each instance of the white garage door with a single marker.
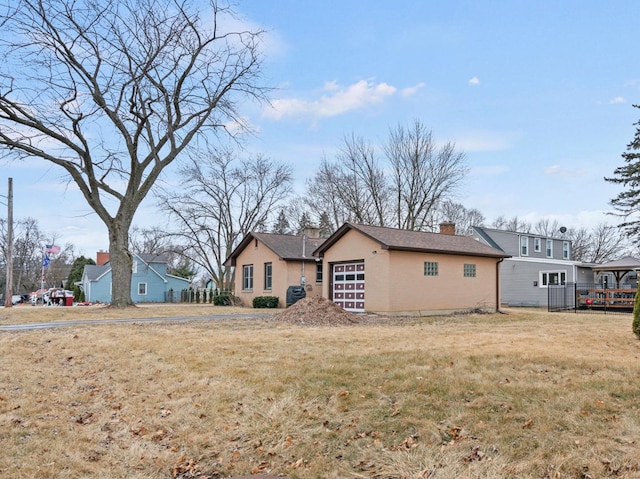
(348, 286)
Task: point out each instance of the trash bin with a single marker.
(294, 294)
(68, 300)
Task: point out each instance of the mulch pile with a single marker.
(316, 311)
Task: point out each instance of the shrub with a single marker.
(223, 299)
(265, 302)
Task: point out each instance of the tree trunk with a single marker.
(121, 262)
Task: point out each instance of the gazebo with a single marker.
(620, 268)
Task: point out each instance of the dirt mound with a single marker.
(316, 311)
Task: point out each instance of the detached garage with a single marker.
(393, 271)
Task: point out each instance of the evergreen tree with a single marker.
(75, 275)
(628, 175)
(303, 222)
(627, 203)
(183, 270)
(281, 226)
(325, 226)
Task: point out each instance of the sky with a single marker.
(538, 95)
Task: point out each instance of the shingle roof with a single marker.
(628, 263)
(93, 271)
(286, 247)
(419, 241)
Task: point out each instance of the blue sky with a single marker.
(537, 94)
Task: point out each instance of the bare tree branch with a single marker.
(114, 91)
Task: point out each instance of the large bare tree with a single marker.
(423, 174)
(599, 244)
(113, 91)
(223, 199)
(464, 218)
(403, 190)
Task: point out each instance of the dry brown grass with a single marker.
(523, 395)
(24, 314)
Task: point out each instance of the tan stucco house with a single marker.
(268, 264)
(370, 268)
(393, 271)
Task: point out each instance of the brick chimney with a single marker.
(447, 228)
(102, 257)
(312, 231)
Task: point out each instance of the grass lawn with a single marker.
(527, 394)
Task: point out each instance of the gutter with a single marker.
(498, 284)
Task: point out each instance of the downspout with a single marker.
(498, 284)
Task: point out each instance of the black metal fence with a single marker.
(590, 297)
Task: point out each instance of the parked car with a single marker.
(19, 298)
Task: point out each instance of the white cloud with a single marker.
(474, 81)
(557, 170)
(582, 219)
(618, 99)
(412, 90)
(334, 100)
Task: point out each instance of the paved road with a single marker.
(82, 322)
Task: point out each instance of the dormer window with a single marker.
(524, 245)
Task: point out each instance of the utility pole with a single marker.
(9, 252)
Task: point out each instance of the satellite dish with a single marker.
(563, 229)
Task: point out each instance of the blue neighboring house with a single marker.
(150, 282)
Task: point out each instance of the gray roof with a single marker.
(628, 263)
(93, 271)
(286, 247)
(418, 241)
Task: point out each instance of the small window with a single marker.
(537, 245)
(524, 245)
(549, 248)
(142, 289)
(247, 277)
(134, 267)
(339, 277)
(318, 272)
(469, 270)
(430, 268)
(565, 250)
(268, 271)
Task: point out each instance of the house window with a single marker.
(142, 289)
(565, 250)
(430, 268)
(268, 271)
(318, 272)
(537, 245)
(134, 267)
(247, 277)
(524, 245)
(552, 278)
(549, 248)
(469, 270)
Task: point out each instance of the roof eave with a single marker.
(450, 252)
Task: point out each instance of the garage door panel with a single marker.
(348, 286)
